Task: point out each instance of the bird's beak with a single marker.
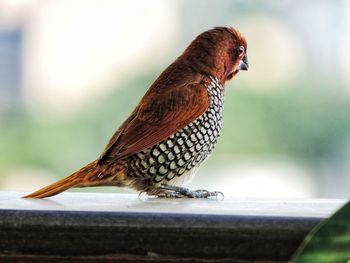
(243, 65)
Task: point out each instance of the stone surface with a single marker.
(115, 226)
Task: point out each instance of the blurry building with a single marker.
(10, 69)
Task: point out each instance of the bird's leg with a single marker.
(179, 192)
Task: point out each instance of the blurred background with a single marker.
(72, 71)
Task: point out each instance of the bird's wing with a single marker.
(158, 116)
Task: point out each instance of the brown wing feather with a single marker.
(160, 114)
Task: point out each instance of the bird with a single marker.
(175, 126)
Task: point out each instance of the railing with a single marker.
(85, 227)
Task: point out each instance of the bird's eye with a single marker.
(241, 50)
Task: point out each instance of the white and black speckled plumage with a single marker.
(176, 159)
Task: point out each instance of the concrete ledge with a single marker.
(123, 228)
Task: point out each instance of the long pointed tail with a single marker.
(77, 179)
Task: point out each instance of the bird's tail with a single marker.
(77, 179)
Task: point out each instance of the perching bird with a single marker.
(175, 126)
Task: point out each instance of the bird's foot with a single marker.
(171, 191)
(169, 194)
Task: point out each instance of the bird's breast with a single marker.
(174, 160)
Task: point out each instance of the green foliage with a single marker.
(297, 122)
(329, 242)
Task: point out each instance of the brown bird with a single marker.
(175, 126)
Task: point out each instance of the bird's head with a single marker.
(220, 52)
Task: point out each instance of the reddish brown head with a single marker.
(220, 52)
